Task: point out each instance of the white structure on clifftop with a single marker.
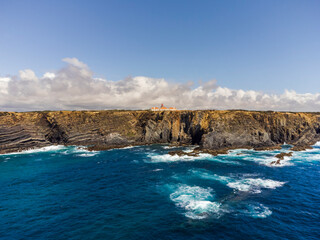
(163, 108)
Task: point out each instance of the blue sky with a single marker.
(259, 45)
(256, 55)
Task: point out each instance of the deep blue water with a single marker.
(144, 193)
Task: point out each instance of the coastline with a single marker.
(211, 131)
(281, 156)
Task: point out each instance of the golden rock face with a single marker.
(211, 130)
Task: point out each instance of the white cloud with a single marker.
(4, 85)
(27, 75)
(75, 87)
(75, 62)
(49, 75)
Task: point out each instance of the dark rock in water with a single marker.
(182, 153)
(276, 147)
(281, 156)
(276, 162)
(195, 152)
(215, 132)
(301, 148)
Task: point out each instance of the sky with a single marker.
(251, 54)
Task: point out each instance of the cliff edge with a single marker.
(211, 130)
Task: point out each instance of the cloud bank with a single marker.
(74, 87)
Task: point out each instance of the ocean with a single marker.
(143, 192)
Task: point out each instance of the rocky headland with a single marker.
(213, 132)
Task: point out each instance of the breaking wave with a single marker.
(196, 201)
(169, 147)
(52, 148)
(267, 160)
(199, 203)
(127, 147)
(161, 158)
(252, 185)
(267, 157)
(308, 155)
(317, 144)
(262, 157)
(90, 154)
(156, 158)
(80, 151)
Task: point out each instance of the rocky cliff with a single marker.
(211, 130)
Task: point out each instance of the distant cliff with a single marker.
(212, 130)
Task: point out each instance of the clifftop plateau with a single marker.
(211, 130)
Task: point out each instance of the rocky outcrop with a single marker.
(211, 130)
(262, 130)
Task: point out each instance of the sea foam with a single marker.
(196, 201)
(167, 158)
(156, 158)
(267, 160)
(317, 144)
(257, 211)
(169, 147)
(52, 148)
(91, 154)
(265, 157)
(307, 155)
(252, 185)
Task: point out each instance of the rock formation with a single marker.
(211, 130)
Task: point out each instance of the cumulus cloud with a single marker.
(74, 87)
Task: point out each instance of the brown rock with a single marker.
(300, 148)
(215, 132)
(276, 162)
(281, 156)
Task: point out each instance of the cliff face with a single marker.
(210, 129)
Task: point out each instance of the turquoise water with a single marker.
(143, 193)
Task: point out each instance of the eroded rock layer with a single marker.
(212, 130)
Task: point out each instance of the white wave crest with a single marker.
(189, 149)
(52, 148)
(238, 152)
(264, 157)
(169, 147)
(254, 185)
(267, 161)
(157, 158)
(197, 201)
(80, 151)
(90, 154)
(127, 147)
(309, 155)
(157, 170)
(317, 144)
